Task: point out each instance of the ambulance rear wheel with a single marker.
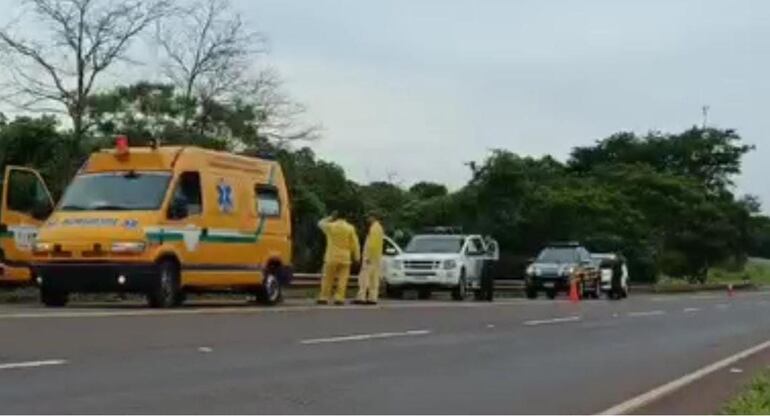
(270, 291)
(53, 298)
(166, 292)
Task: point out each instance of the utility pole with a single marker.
(705, 111)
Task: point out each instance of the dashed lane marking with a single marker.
(552, 321)
(365, 337)
(691, 310)
(31, 364)
(646, 313)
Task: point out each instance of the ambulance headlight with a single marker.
(40, 247)
(128, 247)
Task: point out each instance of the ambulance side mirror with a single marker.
(178, 208)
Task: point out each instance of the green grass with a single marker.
(756, 271)
(755, 400)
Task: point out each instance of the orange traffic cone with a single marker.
(574, 297)
(730, 291)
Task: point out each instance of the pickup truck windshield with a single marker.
(558, 255)
(116, 191)
(440, 244)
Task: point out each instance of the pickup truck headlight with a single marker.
(398, 264)
(40, 247)
(128, 247)
(532, 270)
(567, 271)
(450, 264)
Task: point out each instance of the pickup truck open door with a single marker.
(26, 204)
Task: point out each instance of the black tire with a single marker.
(424, 294)
(166, 292)
(530, 292)
(550, 293)
(394, 292)
(53, 298)
(180, 299)
(270, 292)
(460, 292)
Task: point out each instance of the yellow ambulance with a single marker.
(26, 204)
(166, 221)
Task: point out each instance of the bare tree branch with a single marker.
(85, 37)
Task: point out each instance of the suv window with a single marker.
(189, 188)
(26, 194)
(268, 201)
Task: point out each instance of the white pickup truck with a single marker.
(430, 262)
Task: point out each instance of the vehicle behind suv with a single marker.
(434, 261)
(557, 265)
(614, 274)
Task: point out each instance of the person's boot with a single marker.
(322, 302)
(359, 302)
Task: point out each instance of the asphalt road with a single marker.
(511, 356)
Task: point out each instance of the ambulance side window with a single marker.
(187, 192)
(268, 201)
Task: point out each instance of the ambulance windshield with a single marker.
(116, 191)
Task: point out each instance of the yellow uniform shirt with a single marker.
(374, 241)
(341, 241)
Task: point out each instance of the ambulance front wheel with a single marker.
(166, 291)
(53, 298)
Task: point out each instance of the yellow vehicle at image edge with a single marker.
(166, 221)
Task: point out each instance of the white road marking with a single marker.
(660, 391)
(690, 310)
(647, 313)
(490, 326)
(216, 310)
(722, 306)
(365, 337)
(735, 370)
(205, 349)
(31, 364)
(551, 321)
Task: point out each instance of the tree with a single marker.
(211, 55)
(427, 190)
(208, 50)
(83, 38)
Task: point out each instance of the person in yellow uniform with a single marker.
(342, 250)
(369, 278)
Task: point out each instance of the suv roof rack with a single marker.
(564, 244)
(443, 230)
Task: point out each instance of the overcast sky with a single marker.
(416, 88)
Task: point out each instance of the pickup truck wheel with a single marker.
(550, 293)
(424, 294)
(53, 298)
(394, 292)
(460, 292)
(165, 292)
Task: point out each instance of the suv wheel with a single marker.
(460, 291)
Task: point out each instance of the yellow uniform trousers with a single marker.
(335, 272)
(369, 281)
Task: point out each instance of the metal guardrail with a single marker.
(314, 279)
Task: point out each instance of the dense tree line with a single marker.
(665, 201)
